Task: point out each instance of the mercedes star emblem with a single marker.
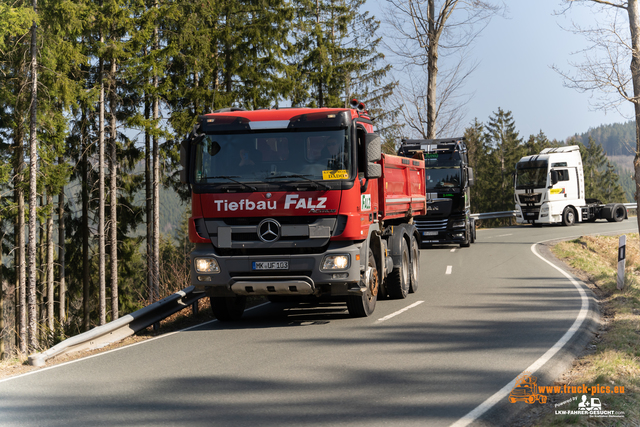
(269, 230)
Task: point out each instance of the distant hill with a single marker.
(618, 141)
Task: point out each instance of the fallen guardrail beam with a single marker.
(123, 327)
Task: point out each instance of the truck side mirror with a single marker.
(372, 153)
(554, 177)
(373, 147)
(470, 177)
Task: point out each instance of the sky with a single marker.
(515, 55)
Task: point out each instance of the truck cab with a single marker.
(448, 179)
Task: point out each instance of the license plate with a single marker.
(270, 265)
(429, 233)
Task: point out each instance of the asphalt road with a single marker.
(481, 316)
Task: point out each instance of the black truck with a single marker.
(448, 180)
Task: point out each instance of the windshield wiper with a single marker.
(230, 178)
(301, 176)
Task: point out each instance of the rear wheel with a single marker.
(398, 282)
(415, 264)
(617, 213)
(228, 308)
(363, 305)
(568, 216)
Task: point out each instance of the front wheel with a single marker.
(228, 308)
(363, 305)
(568, 216)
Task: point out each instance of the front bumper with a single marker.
(303, 276)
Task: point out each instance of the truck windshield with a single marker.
(531, 174)
(442, 177)
(273, 156)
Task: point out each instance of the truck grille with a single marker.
(529, 198)
(278, 233)
(435, 225)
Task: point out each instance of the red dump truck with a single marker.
(300, 203)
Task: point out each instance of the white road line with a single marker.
(503, 235)
(504, 391)
(453, 250)
(449, 268)
(389, 316)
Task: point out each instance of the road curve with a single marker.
(481, 316)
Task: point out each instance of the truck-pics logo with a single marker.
(526, 390)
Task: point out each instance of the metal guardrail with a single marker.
(131, 323)
(509, 214)
(121, 328)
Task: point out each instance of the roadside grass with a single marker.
(613, 358)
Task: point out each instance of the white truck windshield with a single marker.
(531, 174)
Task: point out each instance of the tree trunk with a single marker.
(21, 294)
(33, 175)
(101, 235)
(432, 69)
(634, 27)
(156, 179)
(86, 302)
(50, 290)
(113, 197)
(149, 204)
(62, 287)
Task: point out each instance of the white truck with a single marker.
(549, 189)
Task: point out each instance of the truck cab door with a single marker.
(567, 186)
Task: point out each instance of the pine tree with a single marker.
(506, 150)
(601, 182)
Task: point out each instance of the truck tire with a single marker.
(617, 213)
(568, 216)
(228, 308)
(467, 237)
(398, 281)
(363, 305)
(473, 231)
(415, 264)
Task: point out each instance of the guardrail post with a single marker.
(622, 246)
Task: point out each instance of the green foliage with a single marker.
(600, 177)
(615, 139)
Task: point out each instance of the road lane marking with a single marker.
(504, 235)
(453, 250)
(504, 391)
(449, 268)
(389, 316)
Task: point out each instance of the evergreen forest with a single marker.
(94, 100)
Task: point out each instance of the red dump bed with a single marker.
(401, 190)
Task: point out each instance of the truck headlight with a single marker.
(457, 224)
(336, 262)
(207, 265)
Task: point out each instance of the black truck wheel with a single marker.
(617, 213)
(568, 216)
(363, 305)
(467, 237)
(415, 264)
(228, 308)
(398, 281)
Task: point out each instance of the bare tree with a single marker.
(102, 311)
(113, 194)
(425, 30)
(33, 190)
(615, 45)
